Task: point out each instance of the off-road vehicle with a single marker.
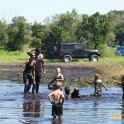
(68, 51)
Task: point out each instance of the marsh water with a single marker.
(17, 108)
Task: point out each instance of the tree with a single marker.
(119, 31)
(83, 30)
(93, 30)
(61, 29)
(19, 33)
(39, 36)
(54, 37)
(117, 26)
(3, 35)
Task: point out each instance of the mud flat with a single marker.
(71, 73)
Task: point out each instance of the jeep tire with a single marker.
(67, 58)
(94, 58)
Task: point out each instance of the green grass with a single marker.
(109, 63)
(12, 57)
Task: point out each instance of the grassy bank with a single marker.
(7, 58)
(109, 66)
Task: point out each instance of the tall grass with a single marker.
(109, 52)
(7, 57)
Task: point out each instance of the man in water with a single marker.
(39, 68)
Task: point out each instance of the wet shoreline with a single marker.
(71, 74)
(68, 72)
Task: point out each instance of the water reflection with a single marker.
(32, 109)
(122, 114)
(96, 103)
(56, 121)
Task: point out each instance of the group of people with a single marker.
(57, 96)
(96, 83)
(32, 70)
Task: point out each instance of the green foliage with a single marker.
(117, 24)
(109, 52)
(119, 31)
(3, 35)
(95, 31)
(18, 32)
(39, 35)
(12, 57)
(110, 39)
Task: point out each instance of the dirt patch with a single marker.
(68, 72)
(71, 74)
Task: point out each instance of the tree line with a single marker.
(96, 31)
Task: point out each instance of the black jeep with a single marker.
(68, 51)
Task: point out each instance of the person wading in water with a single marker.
(58, 77)
(56, 98)
(29, 74)
(40, 68)
(122, 85)
(67, 92)
(75, 93)
(97, 85)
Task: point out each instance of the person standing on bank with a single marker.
(39, 58)
(29, 74)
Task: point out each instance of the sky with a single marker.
(38, 10)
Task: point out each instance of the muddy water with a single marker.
(17, 108)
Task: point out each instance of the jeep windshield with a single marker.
(72, 47)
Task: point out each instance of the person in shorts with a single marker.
(40, 67)
(97, 83)
(56, 98)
